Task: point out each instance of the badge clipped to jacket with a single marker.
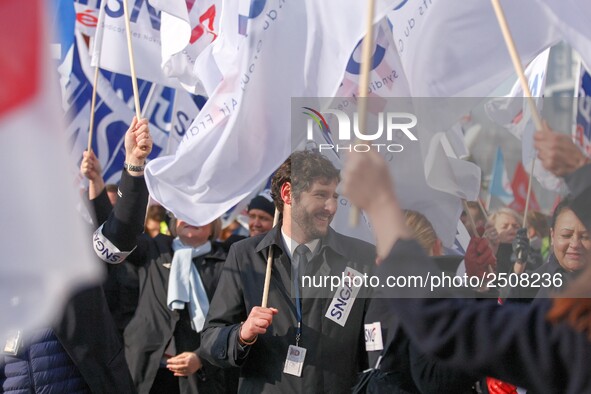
(294, 363)
(344, 298)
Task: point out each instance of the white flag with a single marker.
(109, 49)
(514, 113)
(46, 251)
(436, 167)
(571, 18)
(187, 29)
(186, 108)
(456, 49)
(112, 114)
(242, 134)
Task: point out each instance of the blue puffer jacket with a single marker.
(42, 366)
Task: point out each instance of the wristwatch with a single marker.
(132, 168)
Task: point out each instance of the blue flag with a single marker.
(500, 186)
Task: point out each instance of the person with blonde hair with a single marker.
(506, 222)
(423, 232)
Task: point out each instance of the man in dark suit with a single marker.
(311, 339)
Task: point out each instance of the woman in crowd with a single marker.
(545, 348)
(570, 254)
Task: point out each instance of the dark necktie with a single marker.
(299, 261)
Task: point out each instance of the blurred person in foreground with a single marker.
(82, 352)
(545, 347)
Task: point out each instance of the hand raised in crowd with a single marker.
(521, 245)
(90, 167)
(479, 257)
(557, 152)
(138, 143)
(184, 364)
(257, 323)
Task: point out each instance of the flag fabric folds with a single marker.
(110, 43)
(186, 30)
(519, 186)
(582, 132)
(514, 113)
(113, 114)
(242, 133)
(457, 50)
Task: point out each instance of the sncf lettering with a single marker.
(336, 313)
(345, 294)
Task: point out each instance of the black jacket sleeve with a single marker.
(102, 207)
(126, 221)
(219, 338)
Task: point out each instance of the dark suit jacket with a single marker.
(153, 325)
(335, 354)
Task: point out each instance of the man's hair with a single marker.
(302, 169)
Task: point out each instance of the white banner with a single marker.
(187, 29)
(456, 49)
(109, 49)
(514, 113)
(113, 114)
(242, 134)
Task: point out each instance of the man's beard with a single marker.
(306, 221)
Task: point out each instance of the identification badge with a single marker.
(13, 343)
(294, 363)
(344, 298)
(373, 337)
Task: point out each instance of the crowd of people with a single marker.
(185, 309)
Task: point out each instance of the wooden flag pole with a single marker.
(136, 95)
(524, 85)
(366, 53)
(92, 104)
(148, 99)
(471, 218)
(482, 209)
(269, 266)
